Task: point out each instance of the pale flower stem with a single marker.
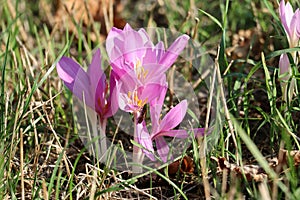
(137, 156)
(92, 116)
(293, 83)
(103, 145)
(288, 92)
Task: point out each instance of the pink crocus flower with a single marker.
(133, 53)
(91, 84)
(92, 89)
(164, 127)
(291, 22)
(133, 98)
(140, 65)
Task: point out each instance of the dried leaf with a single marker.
(71, 12)
(187, 166)
(251, 172)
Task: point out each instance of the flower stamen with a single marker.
(135, 100)
(140, 71)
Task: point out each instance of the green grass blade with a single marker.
(212, 18)
(2, 95)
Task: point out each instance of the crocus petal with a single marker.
(141, 33)
(143, 138)
(140, 36)
(118, 67)
(174, 116)
(132, 49)
(116, 46)
(160, 50)
(145, 37)
(110, 46)
(114, 91)
(172, 133)
(150, 56)
(161, 97)
(150, 91)
(155, 110)
(123, 102)
(284, 66)
(154, 74)
(115, 54)
(127, 27)
(154, 54)
(286, 13)
(95, 71)
(162, 148)
(127, 43)
(114, 32)
(297, 13)
(98, 82)
(200, 132)
(129, 82)
(144, 94)
(182, 134)
(76, 79)
(294, 38)
(173, 51)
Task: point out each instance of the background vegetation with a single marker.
(41, 157)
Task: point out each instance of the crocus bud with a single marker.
(284, 67)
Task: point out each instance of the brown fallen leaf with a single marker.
(283, 156)
(241, 43)
(68, 13)
(251, 172)
(256, 172)
(186, 165)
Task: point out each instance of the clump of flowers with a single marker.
(137, 80)
(291, 24)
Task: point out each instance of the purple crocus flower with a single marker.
(133, 53)
(140, 65)
(291, 22)
(91, 84)
(164, 127)
(92, 89)
(132, 99)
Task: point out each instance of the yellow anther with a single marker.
(129, 95)
(140, 103)
(140, 70)
(138, 63)
(133, 99)
(146, 73)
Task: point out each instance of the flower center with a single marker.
(140, 71)
(135, 101)
(102, 107)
